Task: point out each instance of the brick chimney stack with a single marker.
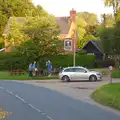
(72, 15)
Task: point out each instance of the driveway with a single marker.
(78, 90)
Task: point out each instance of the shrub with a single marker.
(103, 63)
(12, 61)
(67, 60)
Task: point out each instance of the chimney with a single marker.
(72, 15)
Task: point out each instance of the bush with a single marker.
(81, 52)
(67, 60)
(12, 61)
(103, 63)
(116, 73)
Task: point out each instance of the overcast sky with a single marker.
(62, 7)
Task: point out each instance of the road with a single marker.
(30, 102)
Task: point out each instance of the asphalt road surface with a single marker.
(29, 102)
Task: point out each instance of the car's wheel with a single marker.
(66, 78)
(93, 78)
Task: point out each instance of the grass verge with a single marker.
(116, 73)
(108, 95)
(6, 76)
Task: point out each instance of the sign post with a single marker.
(110, 73)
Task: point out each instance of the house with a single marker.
(63, 23)
(94, 47)
(67, 27)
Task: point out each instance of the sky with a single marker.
(62, 7)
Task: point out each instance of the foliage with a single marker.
(67, 60)
(108, 95)
(108, 20)
(85, 39)
(40, 36)
(116, 7)
(15, 61)
(110, 40)
(86, 26)
(12, 61)
(3, 114)
(103, 63)
(17, 8)
(1, 42)
(16, 35)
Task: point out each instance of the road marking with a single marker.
(9, 92)
(49, 118)
(35, 108)
(42, 113)
(20, 98)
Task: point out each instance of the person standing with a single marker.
(49, 67)
(34, 68)
(30, 69)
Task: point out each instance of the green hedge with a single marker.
(67, 60)
(103, 63)
(13, 61)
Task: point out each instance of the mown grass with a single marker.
(108, 95)
(116, 73)
(4, 75)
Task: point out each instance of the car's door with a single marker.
(69, 72)
(80, 74)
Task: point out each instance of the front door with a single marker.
(80, 74)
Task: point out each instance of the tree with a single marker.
(17, 8)
(86, 27)
(110, 40)
(41, 37)
(116, 7)
(16, 35)
(107, 20)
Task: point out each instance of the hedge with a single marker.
(12, 61)
(67, 60)
(104, 63)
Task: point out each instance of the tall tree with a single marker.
(86, 24)
(36, 38)
(111, 42)
(115, 4)
(17, 8)
(107, 20)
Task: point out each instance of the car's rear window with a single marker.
(68, 70)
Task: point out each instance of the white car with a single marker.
(79, 73)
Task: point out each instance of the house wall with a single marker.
(7, 49)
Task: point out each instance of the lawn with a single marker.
(6, 76)
(108, 95)
(116, 73)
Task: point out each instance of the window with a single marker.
(79, 70)
(68, 70)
